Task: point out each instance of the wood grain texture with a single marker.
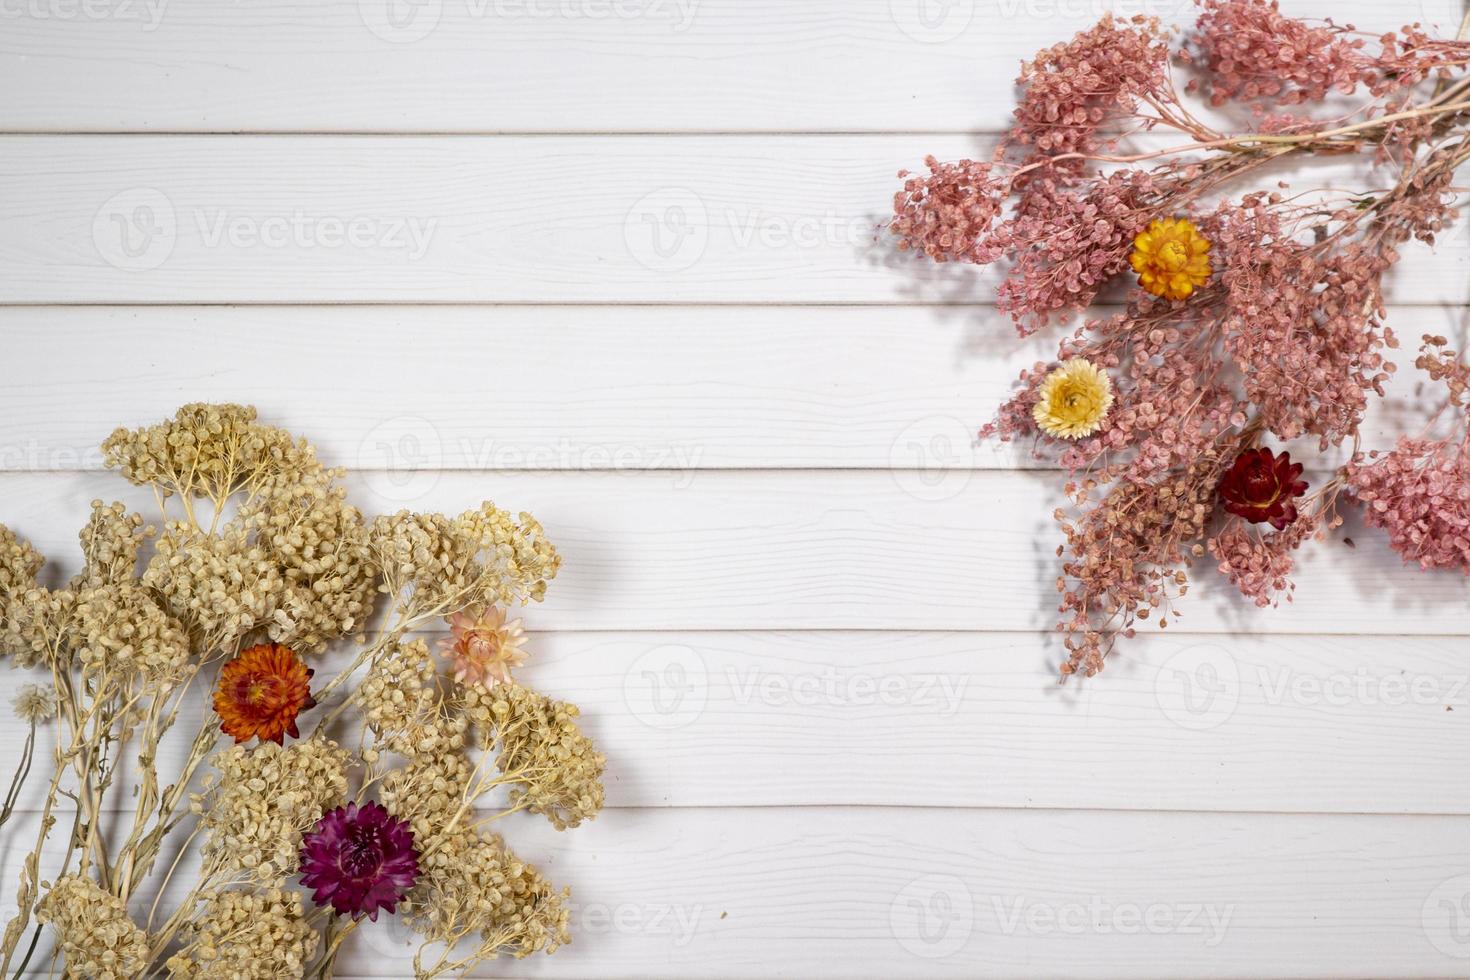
(805, 618)
(648, 387)
(826, 892)
(813, 549)
(709, 719)
(551, 65)
(696, 219)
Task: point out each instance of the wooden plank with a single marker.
(550, 65)
(707, 719)
(493, 388)
(815, 550)
(700, 219)
(833, 892)
(526, 387)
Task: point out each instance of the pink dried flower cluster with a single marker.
(1247, 317)
(1066, 239)
(1259, 565)
(1073, 88)
(1251, 51)
(1419, 491)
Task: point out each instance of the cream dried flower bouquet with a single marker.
(303, 803)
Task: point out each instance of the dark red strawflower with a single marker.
(359, 859)
(1261, 486)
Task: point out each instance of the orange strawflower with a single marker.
(261, 692)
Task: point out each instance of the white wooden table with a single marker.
(614, 262)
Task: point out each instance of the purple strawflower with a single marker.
(360, 859)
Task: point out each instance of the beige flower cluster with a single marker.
(264, 799)
(293, 560)
(558, 769)
(482, 557)
(110, 544)
(119, 628)
(19, 563)
(37, 625)
(402, 707)
(219, 585)
(515, 550)
(320, 544)
(104, 621)
(432, 793)
(208, 451)
(470, 884)
(268, 550)
(247, 935)
(98, 940)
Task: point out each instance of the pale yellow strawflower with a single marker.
(1074, 400)
(1172, 258)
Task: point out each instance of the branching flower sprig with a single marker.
(1245, 322)
(371, 784)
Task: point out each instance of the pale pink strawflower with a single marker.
(483, 647)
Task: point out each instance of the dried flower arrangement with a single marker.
(374, 787)
(1248, 321)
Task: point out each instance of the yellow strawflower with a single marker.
(1172, 258)
(1075, 399)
